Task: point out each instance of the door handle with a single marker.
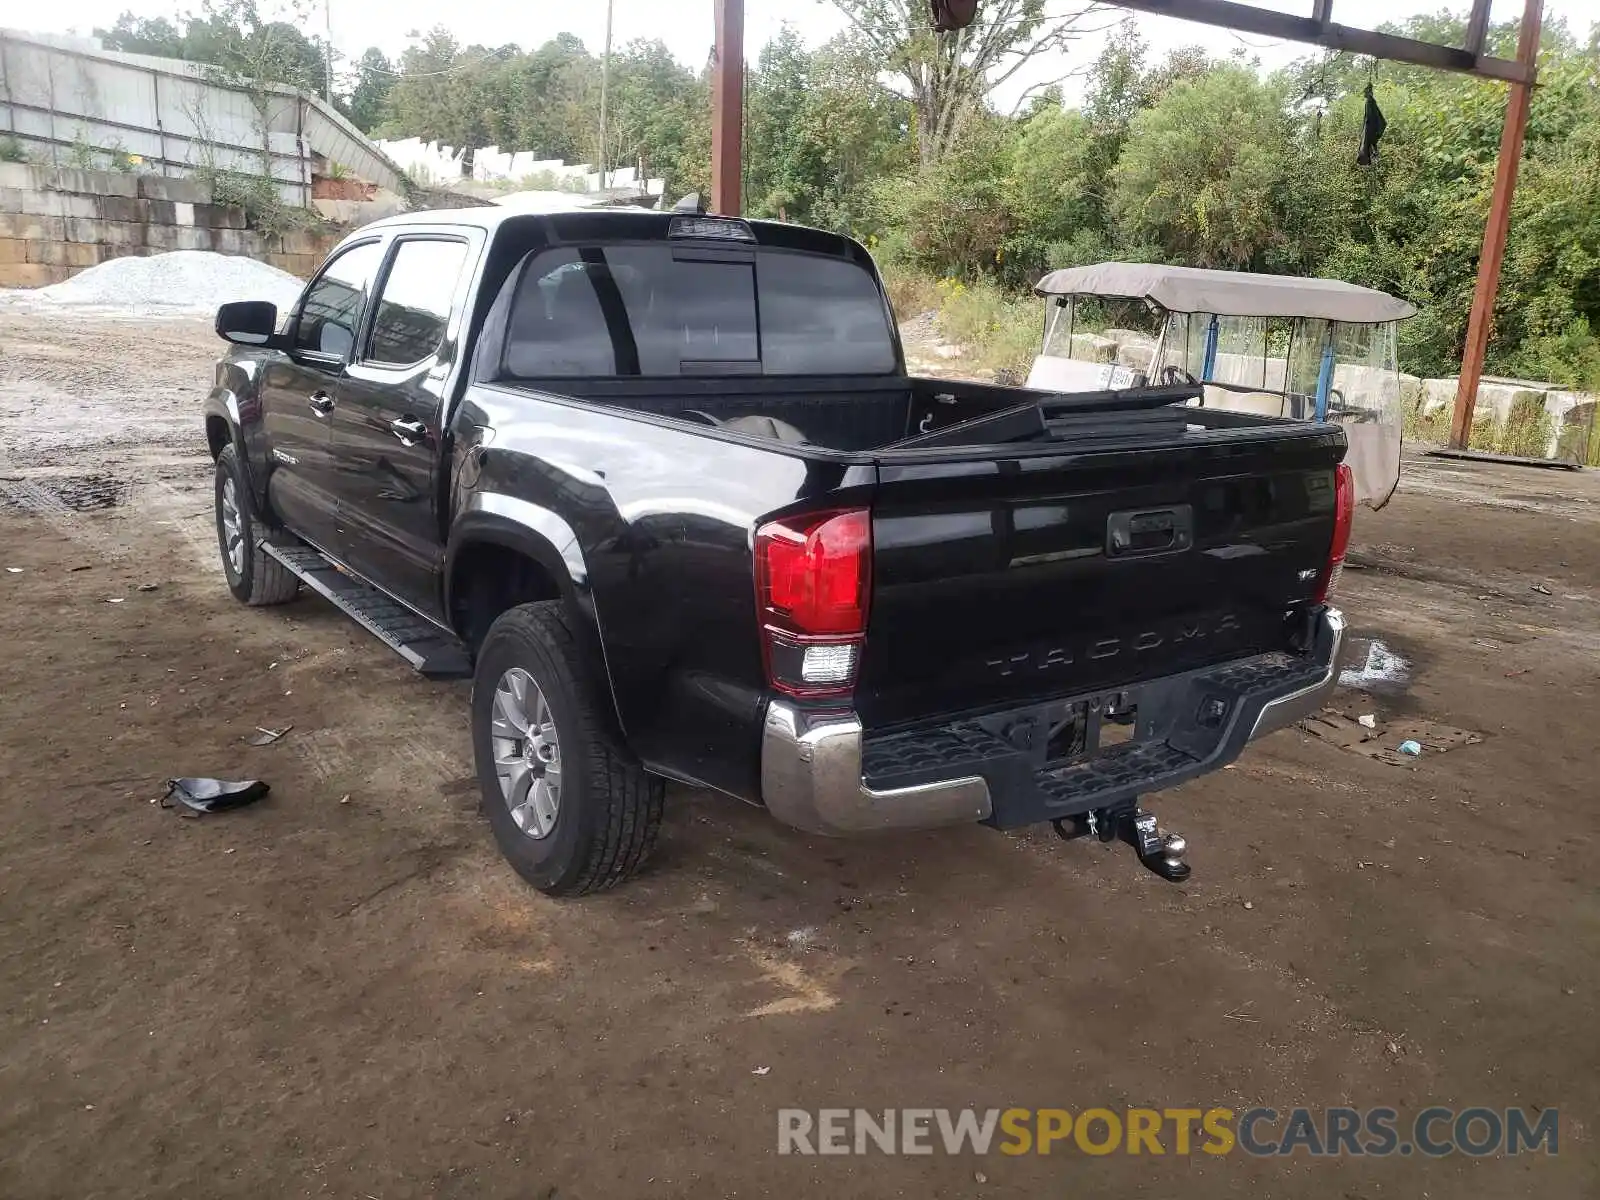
(409, 430)
(321, 403)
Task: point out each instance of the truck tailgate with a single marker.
(1003, 577)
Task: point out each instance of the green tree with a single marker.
(818, 133)
(951, 217)
(1199, 174)
(949, 77)
(1050, 197)
(236, 37)
(375, 76)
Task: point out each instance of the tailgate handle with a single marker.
(1147, 531)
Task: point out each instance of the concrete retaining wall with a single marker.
(56, 221)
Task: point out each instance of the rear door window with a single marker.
(625, 310)
(414, 306)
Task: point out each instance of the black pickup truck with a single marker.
(659, 484)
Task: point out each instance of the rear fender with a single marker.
(541, 535)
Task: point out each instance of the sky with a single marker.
(686, 25)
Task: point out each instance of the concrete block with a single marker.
(30, 275)
(161, 238)
(51, 254)
(218, 216)
(11, 199)
(1558, 403)
(1501, 400)
(123, 233)
(303, 265)
(82, 254)
(157, 212)
(1091, 347)
(180, 191)
(33, 228)
(16, 175)
(235, 241)
(90, 183)
(79, 230)
(182, 212)
(60, 204)
(119, 208)
(13, 250)
(39, 204)
(301, 241)
(1439, 393)
(1134, 350)
(190, 238)
(1411, 393)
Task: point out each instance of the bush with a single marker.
(11, 150)
(998, 332)
(264, 209)
(911, 293)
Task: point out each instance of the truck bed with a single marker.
(856, 413)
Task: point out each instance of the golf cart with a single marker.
(1271, 345)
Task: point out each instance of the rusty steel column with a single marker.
(727, 108)
(1494, 234)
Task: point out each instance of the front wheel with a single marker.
(571, 808)
(254, 576)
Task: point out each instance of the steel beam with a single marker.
(1481, 320)
(1389, 46)
(1477, 26)
(727, 107)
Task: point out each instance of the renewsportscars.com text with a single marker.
(1260, 1132)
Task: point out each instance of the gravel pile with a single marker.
(181, 282)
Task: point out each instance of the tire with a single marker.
(254, 577)
(602, 823)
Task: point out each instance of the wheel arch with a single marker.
(503, 552)
(224, 426)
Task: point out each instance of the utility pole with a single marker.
(727, 108)
(327, 52)
(1494, 234)
(605, 79)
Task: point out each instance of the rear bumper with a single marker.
(821, 773)
(1326, 643)
(811, 778)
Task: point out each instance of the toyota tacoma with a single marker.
(660, 485)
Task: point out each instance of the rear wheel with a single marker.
(571, 808)
(254, 576)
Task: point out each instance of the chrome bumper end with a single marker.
(1326, 645)
(811, 779)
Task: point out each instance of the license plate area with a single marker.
(1080, 729)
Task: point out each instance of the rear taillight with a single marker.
(1344, 513)
(813, 581)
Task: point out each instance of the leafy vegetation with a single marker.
(264, 208)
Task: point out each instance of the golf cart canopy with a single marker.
(1230, 293)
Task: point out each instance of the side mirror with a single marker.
(248, 323)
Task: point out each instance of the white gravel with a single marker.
(181, 283)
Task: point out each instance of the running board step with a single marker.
(433, 652)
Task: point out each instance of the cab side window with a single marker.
(414, 306)
(332, 308)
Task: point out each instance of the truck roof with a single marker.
(622, 223)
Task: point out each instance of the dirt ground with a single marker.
(343, 991)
